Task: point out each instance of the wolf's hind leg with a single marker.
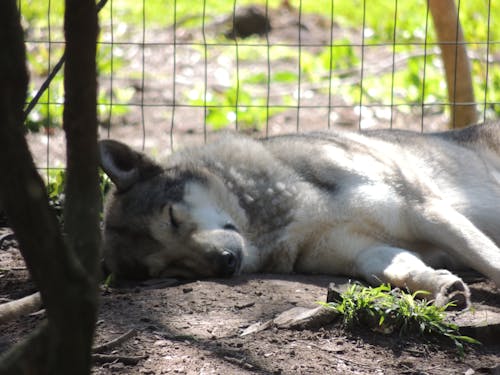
(449, 230)
(404, 269)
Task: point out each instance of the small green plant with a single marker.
(237, 105)
(55, 191)
(340, 56)
(387, 310)
(56, 184)
(108, 281)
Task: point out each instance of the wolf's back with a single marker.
(478, 136)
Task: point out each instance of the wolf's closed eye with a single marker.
(229, 226)
(173, 221)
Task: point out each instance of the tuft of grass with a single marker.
(56, 185)
(109, 281)
(388, 310)
(55, 191)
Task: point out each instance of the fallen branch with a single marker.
(24, 306)
(115, 342)
(126, 360)
(6, 237)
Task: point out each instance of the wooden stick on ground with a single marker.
(115, 342)
(23, 306)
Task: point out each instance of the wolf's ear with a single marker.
(124, 166)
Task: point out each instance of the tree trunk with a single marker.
(456, 62)
(64, 271)
(83, 205)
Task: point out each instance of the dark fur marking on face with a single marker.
(128, 266)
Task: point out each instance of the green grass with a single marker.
(378, 18)
(411, 15)
(244, 101)
(389, 310)
(56, 184)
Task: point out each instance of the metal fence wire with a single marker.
(173, 72)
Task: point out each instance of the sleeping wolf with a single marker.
(388, 206)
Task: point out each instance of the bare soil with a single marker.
(195, 328)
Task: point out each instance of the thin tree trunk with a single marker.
(68, 287)
(456, 62)
(83, 205)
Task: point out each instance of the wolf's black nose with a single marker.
(229, 263)
(229, 259)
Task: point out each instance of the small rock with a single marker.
(295, 318)
(160, 343)
(304, 318)
(481, 324)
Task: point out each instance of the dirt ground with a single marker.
(195, 328)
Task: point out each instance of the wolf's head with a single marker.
(175, 222)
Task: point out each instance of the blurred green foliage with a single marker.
(394, 27)
(56, 185)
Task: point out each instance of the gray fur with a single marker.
(388, 206)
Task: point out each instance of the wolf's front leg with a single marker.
(405, 269)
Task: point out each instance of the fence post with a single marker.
(456, 63)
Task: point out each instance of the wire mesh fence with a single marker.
(171, 73)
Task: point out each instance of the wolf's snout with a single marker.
(229, 262)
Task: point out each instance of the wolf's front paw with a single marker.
(453, 290)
